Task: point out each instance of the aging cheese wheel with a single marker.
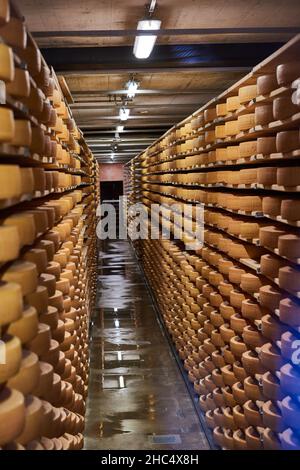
(247, 93)
(9, 243)
(289, 279)
(27, 378)
(283, 108)
(11, 350)
(48, 246)
(27, 181)
(266, 145)
(270, 265)
(10, 179)
(290, 209)
(232, 103)
(269, 297)
(45, 381)
(287, 141)
(221, 109)
(11, 302)
(25, 224)
(14, 32)
(12, 414)
(266, 84)
(33, 420)
(40, 219)
(247, 149)
(271, 206)
(38, 299)
(250, 283)
(20, 86)
(23, 273)
(288, 177)
(7, 68)
(37, 256)
(267, 176)
(41, 343)
(246, 122)
(264, 114)
(287, 73)
(268, 236)
(289, 246)
(210, 114)
(231, 128)
(26, 327)
(220, 132)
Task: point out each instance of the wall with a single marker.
(111, 172)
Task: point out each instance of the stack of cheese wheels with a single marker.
(47, 252)
(231, 303)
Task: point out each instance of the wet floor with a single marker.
(137, 396)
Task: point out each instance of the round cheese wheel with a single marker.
(52, 355)
(37, 256)
(289, 279)
(248, 176)
(288, 177)
(48, 281)
(20, 86)
(283, 108)
(22, 134)
(269, 236)
(27, 378)
(287, 141)
(11, 302)
(7, 68)
(232, 103)
(289, 246)
(266, 145)
(33, 420)
(11, 355)
(27, 180)
(250, 283)
(287, 73)
(270, 265)
(221, 109)
(12, 413)
(26, 327)
(251, 309)
(56, 301)
(247, 93)
(38, 299)
(25, 224)
(231, 128)
(41, 343)
(246, 122)
(54, 268)
(233, 152)
(290, 209)
(264, 114)
(266, 84)
(10, 175)
(40, 220)
(50, 317)
(210, 114)
(247, 149)
(45, 381)
(269, 297)
(271, 206)
(267, 176)
(48, 246)
(23, 273)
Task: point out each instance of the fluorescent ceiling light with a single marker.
(120, 128)
(143, 45)
(124, 114)
(132, 87)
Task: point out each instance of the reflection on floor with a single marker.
(137, 397)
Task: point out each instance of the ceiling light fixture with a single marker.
(143, 45)
(120, 128)
(132, 87)
(124, 114)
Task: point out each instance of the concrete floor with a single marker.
(137, 396)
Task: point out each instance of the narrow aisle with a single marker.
(137, 396)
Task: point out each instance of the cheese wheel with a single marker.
(7, 67)
(26, 327)
(11, 302)
(283, 108)
(289, 279)
(10, 180)
(231, 128)
(9, 243)
(251, 309)
(288, 177)
(22, 134)
(290, 209)
(250, 283)
(4, 11)
(268, 236)
(247, 149)
(210, 114)
(33, 420)
(38, 299)
(270, 297)
(45, 381)
(220, 132)
(287, 73)
(27, 378)
(54, 237)
(52, 355)
(11, 350)
(25, 224)
(289, 246)
(266, 84)
(264, 114)
(48, 246)
(41, 343)
(233, 152)
(267, 176)
(20, 86)
(14, 32)
(249, 230)
(248, 176)
(289, 312)
(271, 206)
(50, 317)
(266, 145)
(232, 103)
(48, 281)
(23, 273)
(40, 219)
(247, 93)
(12, 414)
(270, 265)
(27, 181)
(287, 141)
(221, 109)
(246, 122)
(37, 256)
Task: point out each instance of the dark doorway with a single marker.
(111, 190)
